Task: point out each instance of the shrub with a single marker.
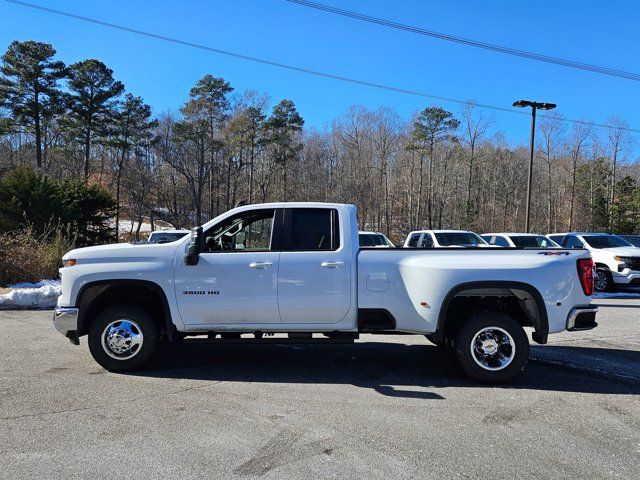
(34, 200)
(28, 256)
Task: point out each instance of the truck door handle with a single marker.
(332, 264)
(260, 265)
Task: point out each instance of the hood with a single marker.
(120, 251)
(621, 251)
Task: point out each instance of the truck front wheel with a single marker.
(492, 347)
(123, 338)
(603, 281)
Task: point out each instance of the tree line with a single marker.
(434, 170)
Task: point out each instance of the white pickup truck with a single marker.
(617, 262)
(297, 269)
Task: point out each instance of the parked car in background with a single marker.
(632, 239)
(617, 261)
(166, 236)
(520, 240)
(374, 239)
(443, 238)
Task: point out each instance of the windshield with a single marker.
(529, 241)
(605, 241)
(166, 237)
(374, 240)
(635, 241)
(447, 239)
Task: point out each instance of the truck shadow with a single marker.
(391, 369)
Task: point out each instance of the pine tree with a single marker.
(91, 101)
(29, 87)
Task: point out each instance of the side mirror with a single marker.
(195, 246)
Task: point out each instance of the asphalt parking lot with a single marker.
(387, 407)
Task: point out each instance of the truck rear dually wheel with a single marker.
(492, 347)
(123, 338)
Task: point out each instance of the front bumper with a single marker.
(626, 277)
(65, 321)
(582, 318)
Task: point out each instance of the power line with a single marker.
(471, 43)
(548, 19)
(303, 70)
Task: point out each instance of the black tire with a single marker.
(140, 325)
(604, 280)
(495, 325)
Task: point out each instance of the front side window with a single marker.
(248, 232)
(313, 229)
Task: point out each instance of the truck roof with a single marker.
(517, 233)
(440, 231)
(597, 234)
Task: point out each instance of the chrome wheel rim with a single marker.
(493, 348)
(122, 339)
(600, 281)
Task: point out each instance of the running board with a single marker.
(338, 338)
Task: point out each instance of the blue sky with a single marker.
(163, 73)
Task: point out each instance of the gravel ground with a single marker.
(387, 407)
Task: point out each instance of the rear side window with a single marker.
(312, 229)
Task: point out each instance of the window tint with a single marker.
(413, 241)
(557, 238)
(427, 241)
(573, 242)
(447, 239)
(247, 231)
(313, 229)
(373, 240)
(632, 239)
(500, 241)
(605, 241)
(528, 241)
(166, 237)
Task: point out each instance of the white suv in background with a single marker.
(443, 238)
(519, 240)
(617, 261)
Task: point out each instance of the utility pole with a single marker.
(534, 107)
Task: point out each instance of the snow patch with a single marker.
(43, 294)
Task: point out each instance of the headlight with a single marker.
(618, 258)
(70, 262)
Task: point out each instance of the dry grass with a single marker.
(27, 257)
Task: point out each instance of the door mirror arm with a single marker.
(195, 246)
